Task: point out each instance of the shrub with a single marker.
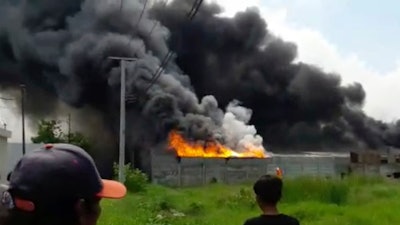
(135, 180)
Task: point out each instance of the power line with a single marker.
(195, 8)
(152, 28)
(164, 4)
(131, 98)
(141, 13)
(138, 21)
(159, 70)
(190, 15)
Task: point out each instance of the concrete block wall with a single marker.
(168, 170)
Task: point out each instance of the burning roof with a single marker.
(211, 148)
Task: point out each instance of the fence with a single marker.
(170, 171)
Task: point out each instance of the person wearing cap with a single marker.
(56, 184)
(268, 191)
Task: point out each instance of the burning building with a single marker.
(171, 170)
(61, 52)
(198, 162)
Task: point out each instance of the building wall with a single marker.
(3, 159)
(15, 153)
(168, 170)
(4, 135)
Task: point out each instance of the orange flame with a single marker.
(210, 149)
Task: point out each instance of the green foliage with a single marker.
(50, 131)
(243, 198)
(78, 139)
(135, 180)
(196, 208)
(330, 191)
(315, 201)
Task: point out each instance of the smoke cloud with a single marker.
(60, 51)
(296, 105)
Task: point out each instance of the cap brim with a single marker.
(112, 189)
(7, 201)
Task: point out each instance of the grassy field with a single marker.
(350, 201)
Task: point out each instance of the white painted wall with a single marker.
(4, 135)
(15, 153)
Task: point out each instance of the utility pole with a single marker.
(23, 117)
(121, 164)
(69, 127)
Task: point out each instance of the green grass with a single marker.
(353, 201)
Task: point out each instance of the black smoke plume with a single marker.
(295, 105)
(60, 51)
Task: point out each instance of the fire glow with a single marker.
(210, 149)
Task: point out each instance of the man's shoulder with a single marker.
(290, 219)
(282, 218)
(252, 220)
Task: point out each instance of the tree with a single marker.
(50, 131)
(78, 139)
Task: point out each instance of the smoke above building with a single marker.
(230, 79)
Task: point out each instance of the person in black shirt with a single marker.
(268, 191)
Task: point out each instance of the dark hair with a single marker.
(268, 189)
(66, 215)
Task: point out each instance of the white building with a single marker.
(15, 153)
(4, 136)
